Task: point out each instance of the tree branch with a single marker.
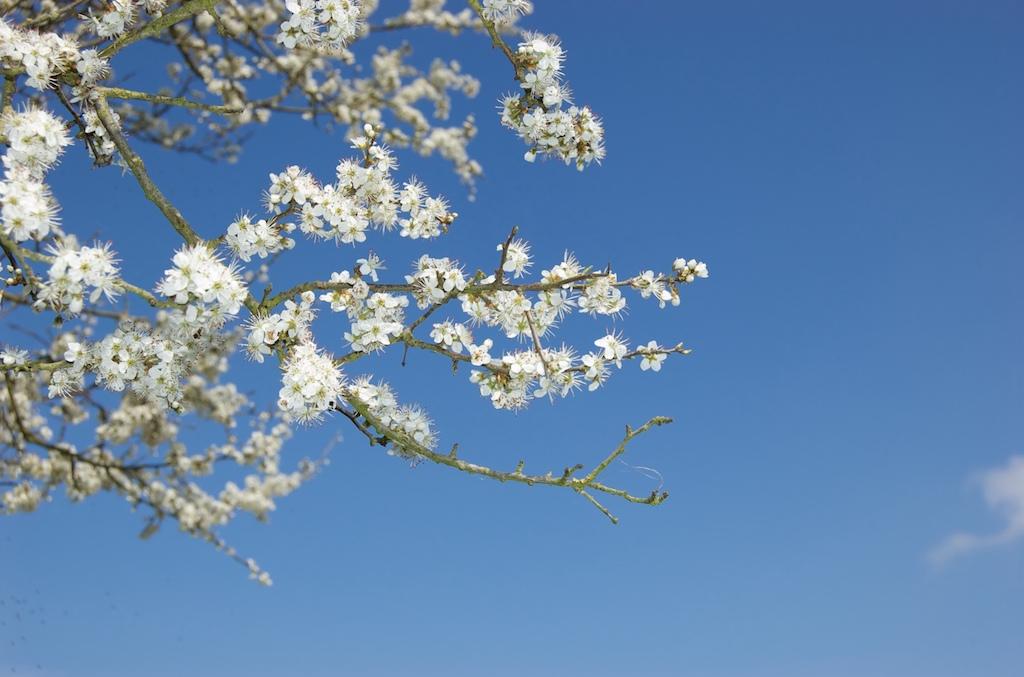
(138, 169)
(406, 443)
(181, 102)
(157, 26)
(496, 38)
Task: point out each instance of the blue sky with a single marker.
(852, 176)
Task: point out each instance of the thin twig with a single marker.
(181, 102)
(407, 444)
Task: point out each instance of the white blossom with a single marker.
(480, 354)
(573, 134)
(168, 357)
(42, 55)
(247, 238)
(689, 270)
(380, 399)
(653, 356)
(76, 270)
(120, 15)
(517, 258)
(91, 66)
(35, 139)
(27, 209)
(506, 11)
(209, 289)
(310, 383)
(266, 332)
(615, 348)
(451, 335)
(331, 23)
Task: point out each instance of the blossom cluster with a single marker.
(27, 208)
(383, 405)
(157, 362)
(131, 357)
(502, 325)
(364, 196)
(236, 53)
(246, 237)
(512, 379)
(210, 290)
(85, 472)
(330, 24)
(311, 382)
(277, 330)
(434, 279)
(35, 140)
(118, 17)
(43, 55)
(24, 497)
(375, 321)
(77, 269)
(504, 12)
(573, 134)
(689, 270)
(47, 58)
(518, 376)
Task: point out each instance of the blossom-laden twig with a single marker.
(158, 25)
(128, 380)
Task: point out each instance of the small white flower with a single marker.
(74, 352)
(615, 348)
(689, 270)
(480, 354)
(653, 356)
(517, 258)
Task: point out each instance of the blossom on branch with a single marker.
(103, 402)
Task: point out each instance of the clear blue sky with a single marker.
(853, 175)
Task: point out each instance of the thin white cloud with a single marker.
(1003, 491)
